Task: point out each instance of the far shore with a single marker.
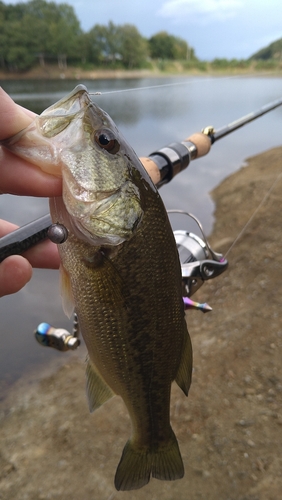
(76, 73)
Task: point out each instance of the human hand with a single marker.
(20, 177)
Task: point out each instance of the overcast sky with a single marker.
(214, 28)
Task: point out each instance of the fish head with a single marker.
(103, 180)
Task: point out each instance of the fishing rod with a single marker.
(169, 161)
(162, 166)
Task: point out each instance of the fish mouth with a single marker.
(111, 220)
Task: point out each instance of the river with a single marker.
(161, 111)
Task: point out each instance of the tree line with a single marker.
(45, 32)
(273, 52)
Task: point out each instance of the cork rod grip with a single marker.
(152, 169)
(202, 143)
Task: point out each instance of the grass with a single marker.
(153, 68)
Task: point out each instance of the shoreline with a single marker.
(76, 73)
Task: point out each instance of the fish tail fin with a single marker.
(136, 466)
(167, 462)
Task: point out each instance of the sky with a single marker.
(214, 28)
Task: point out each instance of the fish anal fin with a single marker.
(184, 374)
(98, 392)
(66, 292)
(136, 465)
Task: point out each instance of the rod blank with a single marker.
(222, 132)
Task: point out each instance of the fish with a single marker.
(120, 271)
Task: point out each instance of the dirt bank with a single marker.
(230, 427)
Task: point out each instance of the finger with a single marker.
(44, 255)
(13, 117)
(22, 178)
(15, 272)
(19, 176)
(6, 227)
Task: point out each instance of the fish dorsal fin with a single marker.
(66, 292)
(184, 374)
(98, 392)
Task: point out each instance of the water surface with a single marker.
(149, 119)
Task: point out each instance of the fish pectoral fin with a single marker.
(98, 392)
(66, 292)
(184, 374)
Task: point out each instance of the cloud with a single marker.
(203, 11)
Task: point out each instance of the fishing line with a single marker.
(254, 214)
(151, 87)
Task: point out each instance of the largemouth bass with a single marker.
(120, 270)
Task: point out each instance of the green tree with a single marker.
(92, 46)
(272, 51)
(182, 50)
(64, 34)
(161, 46)
(36, 30)
(100, 44)
(165, 46)
(113, 43)
(104, 43)
(133, 47)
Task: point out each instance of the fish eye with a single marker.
(106, 140)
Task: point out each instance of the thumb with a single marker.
(15, 272)
(13, 117)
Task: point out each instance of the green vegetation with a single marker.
(115, 46)
(223, 64)
(245, 64)
(272, 52)
(37, 31)
(165, 46)
(41, 33)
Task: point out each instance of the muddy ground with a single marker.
(230, 427)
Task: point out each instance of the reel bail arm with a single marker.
(199, 262)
